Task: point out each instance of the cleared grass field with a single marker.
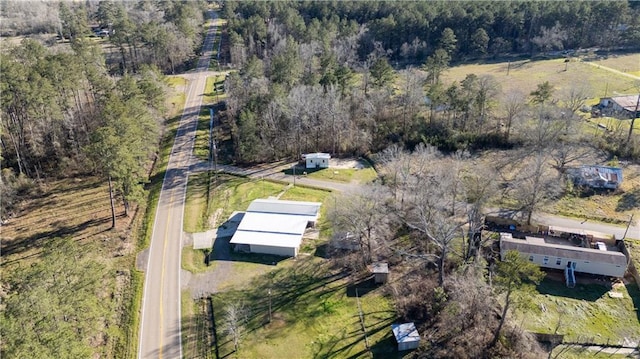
(344, 175)
(231, 193)
(314, 315)
(525, 75)
(585, 313)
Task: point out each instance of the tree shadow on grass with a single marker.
(361, 287)
(630, 200)
(634, 293)
(588, 292)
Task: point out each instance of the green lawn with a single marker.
(229, 194)
(195, 213)
(585, 312)
(525, 75)
(345, 175)
(563, 352)
(214, 90)
(314, 315)
(201, 143)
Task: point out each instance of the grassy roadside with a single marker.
(314, 313)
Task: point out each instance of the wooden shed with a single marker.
(406, 336)
(380, 272)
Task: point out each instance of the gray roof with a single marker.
(539, 246)
(405, 332)
(285, 207)
(380, 267)
(628, 102)
(317, 155)
(271, 222)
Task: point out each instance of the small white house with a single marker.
(317, 160)
(406, 336)
(603, 260)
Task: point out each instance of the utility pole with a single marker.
(269, 305)
(633, 119)
(628, 225)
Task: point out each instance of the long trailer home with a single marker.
(599, 258)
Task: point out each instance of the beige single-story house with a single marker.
(603, 260)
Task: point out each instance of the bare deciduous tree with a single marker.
(364, 214)
(514, 105)
(535, 186)
(235, 319)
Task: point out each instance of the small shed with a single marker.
(380, 272)
(317, 160)
(406, 336)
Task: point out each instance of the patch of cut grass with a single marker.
(525, 75)
(564, 352)
(585, 312)
(345, 175)
(193, 260)
(235, 193)
(312, 315)
(201, 143)
(214, 90)
(196, 203)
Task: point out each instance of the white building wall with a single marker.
(278, 251)
(408, 345)
(598, 268)
(317, 163)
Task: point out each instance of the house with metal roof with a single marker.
(599, 257)
(596, 176)
(627, 106)
(273, 226)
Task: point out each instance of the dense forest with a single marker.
(67, 108)
(368, 74)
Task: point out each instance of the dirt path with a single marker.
(612, 70)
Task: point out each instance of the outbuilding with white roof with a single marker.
(317, 160)
(272, 226)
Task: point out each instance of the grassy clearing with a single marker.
(314, 314)
(563, 352)
(626, 63)
(525, 75)
(201, 143)
(193, 260)
(234, 194)
(616, 207)
(345, 175)
(584, 313)
(196, 203)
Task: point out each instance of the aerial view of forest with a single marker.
(479, 181)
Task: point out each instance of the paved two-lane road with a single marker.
(160, 328)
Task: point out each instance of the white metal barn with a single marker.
(605, 260)
(317, 160)
(406, 335)
(272, 226)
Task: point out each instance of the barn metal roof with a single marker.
(285, 207)
(272, 222)
(317, 155)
